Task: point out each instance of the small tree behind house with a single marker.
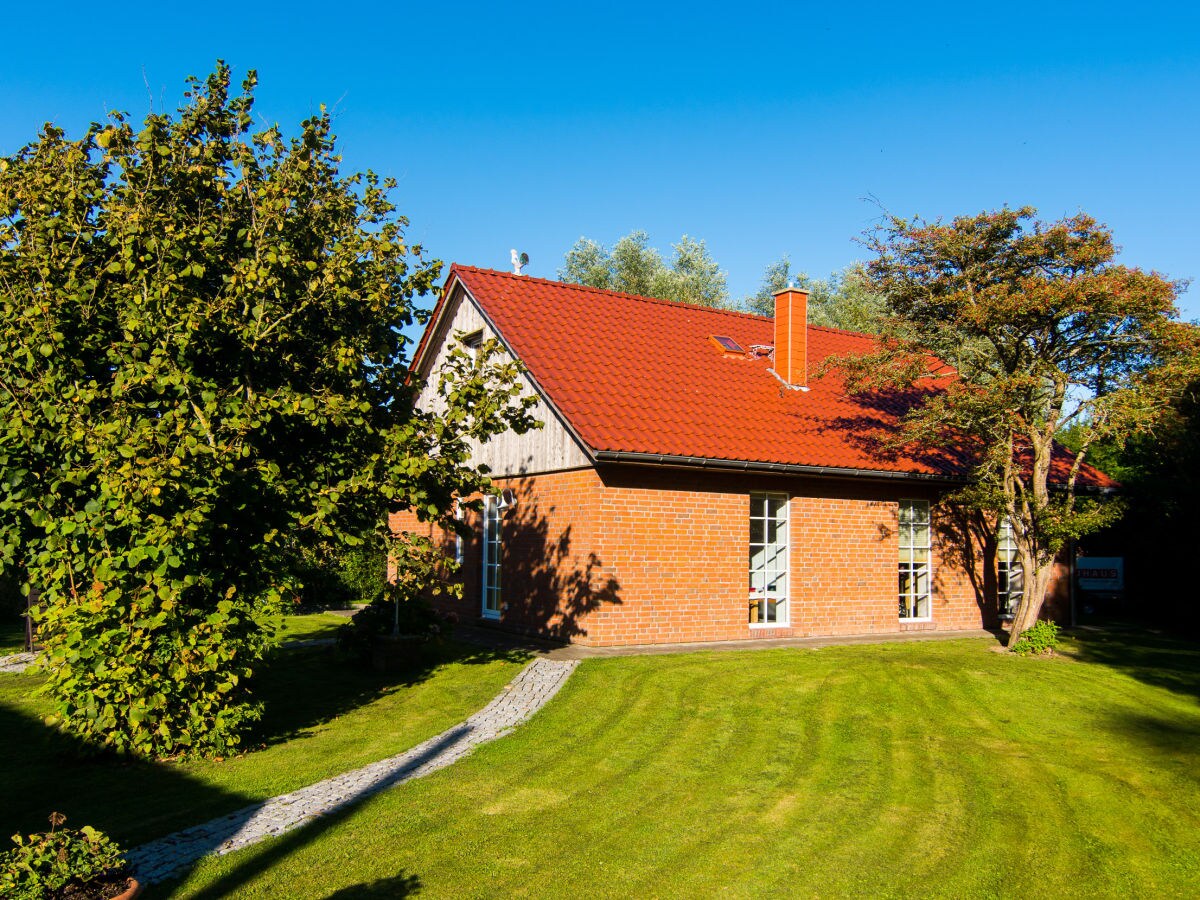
(201, 354)
(633, 266)
(845, 299)
(1043, 332)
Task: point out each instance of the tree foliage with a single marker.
(845, 299)
(1044, 332)
(1159, 471)
(633, 266)
(201, 356)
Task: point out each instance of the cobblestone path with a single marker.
(520, 699)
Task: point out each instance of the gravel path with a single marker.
(520, 699)
(17, 662)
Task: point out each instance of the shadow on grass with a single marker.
(47, 771)
(304, 688)
(397, 886)
(255, 862)
(137, 800)
(1173, 738)
(1151, 657)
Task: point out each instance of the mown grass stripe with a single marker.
(928, 770)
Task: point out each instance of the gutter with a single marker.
(741, 465)
(664, 460)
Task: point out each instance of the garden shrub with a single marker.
(362, 570)
(417, 619)
(333, 575)
(402, 606)
(316, 571)
(61, 863)
(1041, 638)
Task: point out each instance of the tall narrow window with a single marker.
(1010, 577)
(768, 559)
(458, 539)
(914, 559)
(491, 557)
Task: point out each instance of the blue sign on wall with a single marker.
(1102, 574)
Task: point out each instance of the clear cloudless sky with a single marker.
(763, 129)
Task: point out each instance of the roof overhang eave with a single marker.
(434, 323)
(742, 465)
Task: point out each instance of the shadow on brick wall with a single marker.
(967, 544)
(550, 585)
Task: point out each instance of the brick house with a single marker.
(697, 480)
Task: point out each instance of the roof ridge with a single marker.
(609, 293)
(850, 331)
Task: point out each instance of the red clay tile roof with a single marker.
(640, 375)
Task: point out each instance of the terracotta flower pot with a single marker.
(133, 889)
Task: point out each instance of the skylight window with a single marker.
(728, 344)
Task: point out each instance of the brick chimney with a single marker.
(791, 336)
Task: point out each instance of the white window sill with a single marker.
(916, 619)
(769, 624)
(491, 614)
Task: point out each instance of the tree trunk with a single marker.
(1036, 583)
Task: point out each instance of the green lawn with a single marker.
(927, 769)
(309, 626)
(323, 718)
(291, 628)
(12, 635)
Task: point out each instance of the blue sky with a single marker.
(758, 128)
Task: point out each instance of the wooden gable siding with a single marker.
(550, 448)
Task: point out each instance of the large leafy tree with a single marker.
(845, 299)
(633, 266)
(1160, 489)
(201, 357)
(1044, 331)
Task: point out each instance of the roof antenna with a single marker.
(519, 261)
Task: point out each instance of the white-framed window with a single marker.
(769, 559)
(472, 342)
(458, 539)
(492, 546)
(1010, 576)
(914, 559)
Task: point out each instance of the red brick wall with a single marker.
(844, 555)
(1058, 595)
(642, 555)
(677, 546)
(551, 578)
(554, 581)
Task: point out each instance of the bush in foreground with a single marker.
(72, 864)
